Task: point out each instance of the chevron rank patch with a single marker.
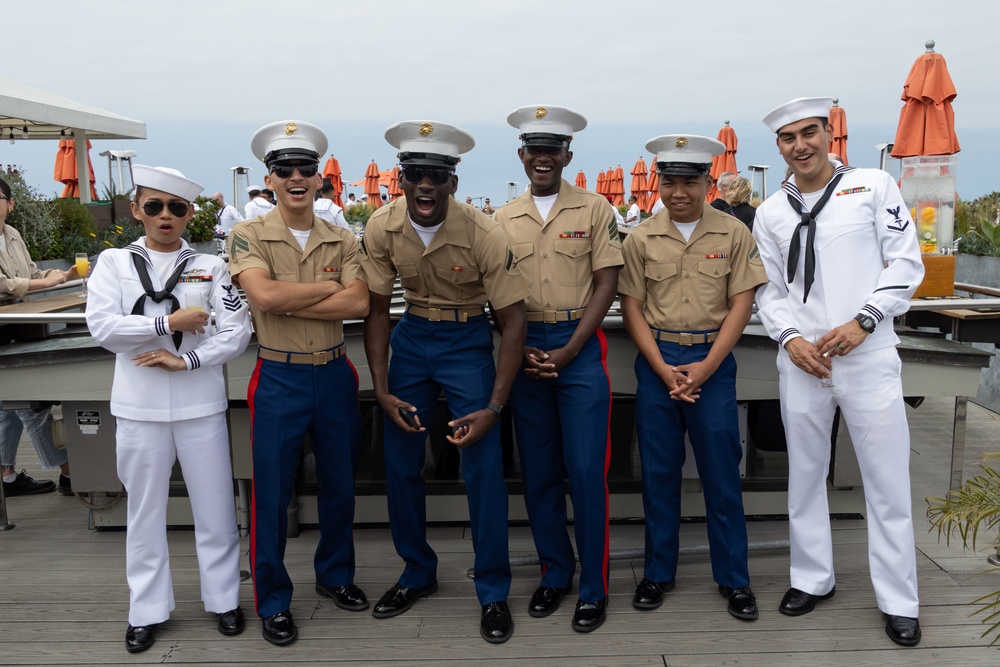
(239, 245)
(511, 262)
(231, 301)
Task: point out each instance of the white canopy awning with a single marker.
(49, 116)
(46, 116)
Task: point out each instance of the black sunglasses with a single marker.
(178, 209)
(285, 170)
(437, 175)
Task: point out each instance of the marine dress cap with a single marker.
(546, 125)
(684, 154)
(166, 180)
(254, 188)
(429, 142)
(288, 140)
(796, 110)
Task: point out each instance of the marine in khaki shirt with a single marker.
(686, 294)
(451, 260)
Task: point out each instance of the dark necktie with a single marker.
(809, 222)
(157, 297)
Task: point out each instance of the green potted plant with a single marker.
(971, 510)
(201, 227)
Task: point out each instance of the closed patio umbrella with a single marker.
(725, 162)
(638, 187)
(927, 121)
(602, 184)
(618, 185)
(653, 185)
(371, 185)
(394, 190)
(581, 180)
(838, 139)
(65, 168)
(332, 171)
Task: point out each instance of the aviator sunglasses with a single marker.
(416, 174)
(178, 209)
(284, 170)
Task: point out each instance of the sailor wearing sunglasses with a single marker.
(300, 275)
(149, 302)
(451, 260)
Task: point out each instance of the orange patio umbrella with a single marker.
(65, 170)
(653, 185)
(725, 162)
(394, 191)
(332, 171)
(371, 184)
(602, 184)
(838, 140)
(581, 180)
(927, 121)
(639, 188)
(618, 184)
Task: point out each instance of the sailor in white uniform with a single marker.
(149, 302)
(258, 205)
(841, 254)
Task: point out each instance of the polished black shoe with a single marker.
(348, 597)
(545, 600)
(589, 615)
(649, 594)
(232, 622)
(796, 602)
(28, 486)
(279, 629)
(398, 599)
(65, 487)
(742, 602)
(496, 625)
(903, 630)
(138, 638)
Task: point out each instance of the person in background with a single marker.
(634, 216)
(351, 201)
(258, 204)
(738, 201)
(326, 208)
(228, 215)
(149, 303)
(19, 275)
(487, 208)
(725, 178)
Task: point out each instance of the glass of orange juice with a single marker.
(83, 268)
(194, 301)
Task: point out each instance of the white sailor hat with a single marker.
(546, 125)
(429, 142)
(684, 154)
(288, 140)
(254, 188)
(796, 110)
(166, 180)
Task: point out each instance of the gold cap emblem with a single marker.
(681, 143)
(425, 129)
(291, 128)
(541, 112)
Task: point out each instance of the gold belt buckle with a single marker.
(549, 316)
(685, 339)
(462, 316)
(434, 314)
(320, 358)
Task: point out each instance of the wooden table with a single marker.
(52, 304)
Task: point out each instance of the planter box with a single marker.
(977, 270)
(939, 276)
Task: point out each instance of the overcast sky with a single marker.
(204, 75)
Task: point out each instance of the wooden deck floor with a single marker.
(64, 600)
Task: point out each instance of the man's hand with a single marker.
(677, 383)
(189, 321)
(843, 339)
(472, 427)
(160, 359)
(697, 374)
(807, 356)
(391, 405)
(542, 365)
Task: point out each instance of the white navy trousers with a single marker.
(868, 389)
(146, 454)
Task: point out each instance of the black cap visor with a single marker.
(683, 168)
(545, 139)
(291, 155)
(427, 159)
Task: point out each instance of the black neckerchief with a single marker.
(157, 297)
(809, 222)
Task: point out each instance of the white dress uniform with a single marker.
(330, 212)
(228, 217)
(256, 207)
(163, 416)
(867, 261)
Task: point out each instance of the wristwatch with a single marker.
(866, 321)
(495, 407)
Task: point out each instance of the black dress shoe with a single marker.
(23, 485)
(796, 602)
(348, 597)
(903, 630)
(279, 629)
(398, 599)
(545, 600)
(589, 615)
(138, 638)
(742, 602)
(232, 622)
(649, 594)
(496, 625)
